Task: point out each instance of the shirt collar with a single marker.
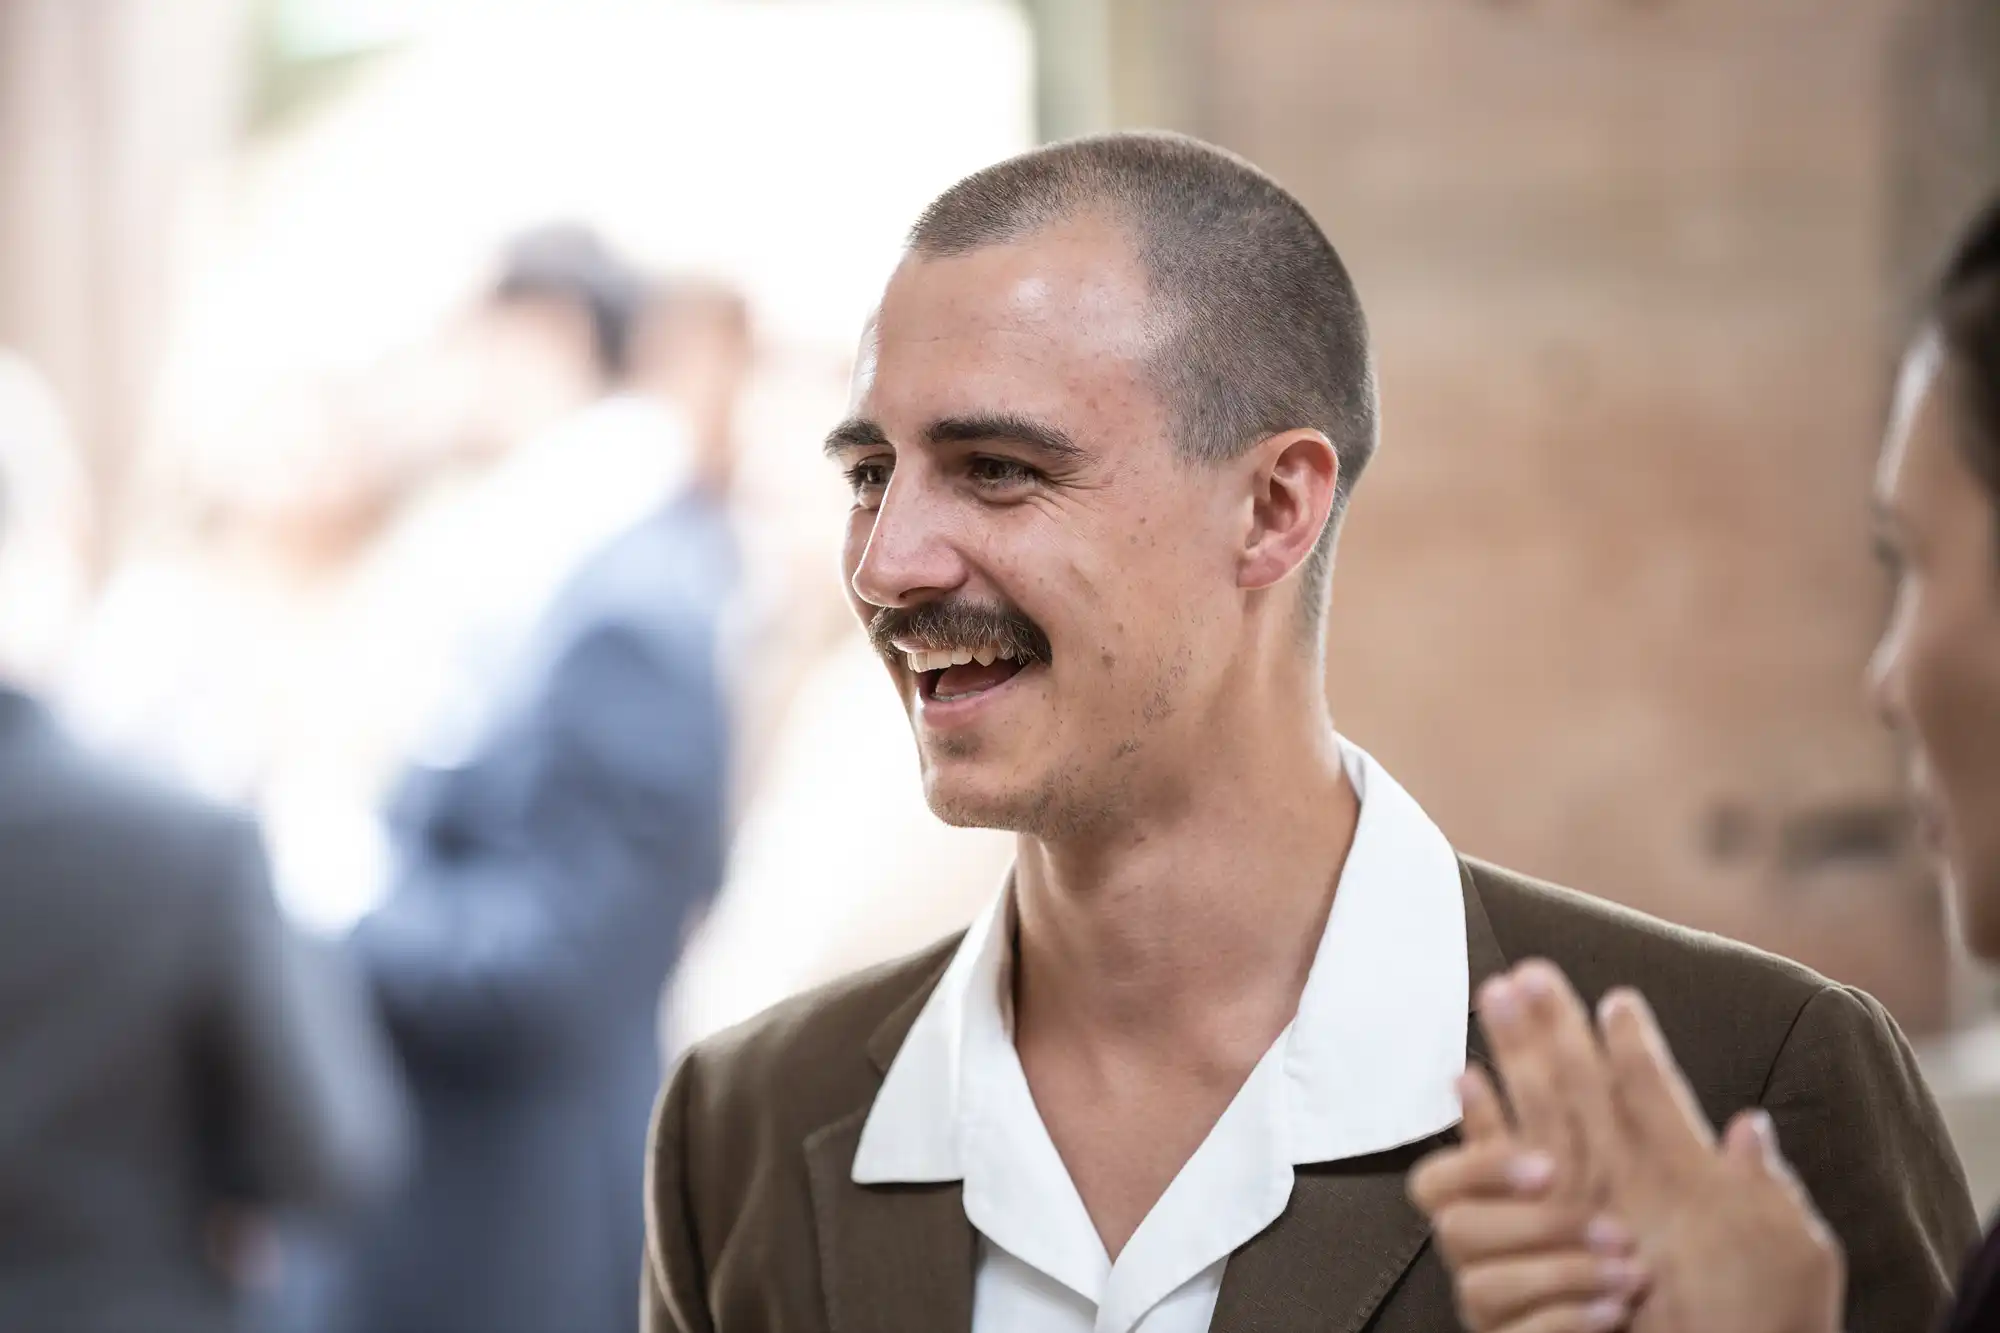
(1370, 1062)
(1375, 1053)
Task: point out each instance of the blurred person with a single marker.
(694, 350)
(1733, 1237)
(1106, 417)
(557, 827)
(558, 453)
(179, 1067)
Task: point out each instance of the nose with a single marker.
(908, 556)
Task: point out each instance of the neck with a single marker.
(1193, 930)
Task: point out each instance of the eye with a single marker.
(999, 473)
(868, 478)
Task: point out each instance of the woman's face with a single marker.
(1936, 674)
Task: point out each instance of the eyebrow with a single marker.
(1049, 441)
(855, 433)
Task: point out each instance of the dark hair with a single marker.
(1267, 331)
(572, 264)
(1967, 313)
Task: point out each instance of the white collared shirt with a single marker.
(1369, 1063)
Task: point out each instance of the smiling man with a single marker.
(1106, 420)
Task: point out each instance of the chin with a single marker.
(971, 794)
(965, 804)
(1048, 810)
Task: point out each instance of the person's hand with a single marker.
(1726, 1238)
(1527, 1254)
(1518, 1210)
(1734, 1242)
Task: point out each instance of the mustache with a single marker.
(947, 624)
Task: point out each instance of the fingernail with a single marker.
(1619, 1275)
(1766, 1132)
(1499, 1005)
(1534, 981)
(1531, 1171)
(1607, 1235)
(1607, 1313)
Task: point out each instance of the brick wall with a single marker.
(1605, 598)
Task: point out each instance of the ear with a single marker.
(1292, 479)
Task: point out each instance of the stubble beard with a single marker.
(1052, 808)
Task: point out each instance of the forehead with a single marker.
(1057, 322)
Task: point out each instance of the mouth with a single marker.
(962, 672)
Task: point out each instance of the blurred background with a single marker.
(309, 303)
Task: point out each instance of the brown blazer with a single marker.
(754, 1226)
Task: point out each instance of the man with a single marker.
(1105, 421)
(178, 1063)
(562, 822)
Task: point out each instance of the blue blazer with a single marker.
(543, 887)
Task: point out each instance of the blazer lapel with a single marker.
(893, 1258)
(1349, 1233)
(1341, 1244)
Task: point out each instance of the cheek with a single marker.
(1924, 649)
(1950, 664)
(1166, 554)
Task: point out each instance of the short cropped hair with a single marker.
(1266, 333)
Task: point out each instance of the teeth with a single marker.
(986, 654)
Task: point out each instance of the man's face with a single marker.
(1016, 489)
(1936, 675)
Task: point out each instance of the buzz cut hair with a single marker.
(1264, 332)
